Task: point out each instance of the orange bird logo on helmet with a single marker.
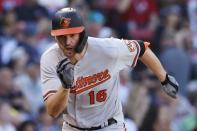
(65, 22)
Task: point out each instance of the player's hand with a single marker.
(65, 72)
(170, 86)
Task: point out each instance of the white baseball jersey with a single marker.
(94, 97)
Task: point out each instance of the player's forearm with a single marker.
(153, 63)
(56, 103)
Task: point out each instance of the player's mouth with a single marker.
(68, 51)
(69, 48)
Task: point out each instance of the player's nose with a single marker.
(69, 40)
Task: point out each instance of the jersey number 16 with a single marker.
(100, 96)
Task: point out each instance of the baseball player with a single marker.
(80, 75)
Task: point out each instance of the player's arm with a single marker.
(57, 102)
(170, 85)
(153, 63)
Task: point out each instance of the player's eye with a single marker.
(72, 35)
(62, 38)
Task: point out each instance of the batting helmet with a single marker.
(68, 21)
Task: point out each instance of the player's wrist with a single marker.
(165, 81)
(65, 89)
(162, 76)
(65, 86)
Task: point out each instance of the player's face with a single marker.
(68, 43)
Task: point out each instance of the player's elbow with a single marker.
(52, 109)
(53, 113)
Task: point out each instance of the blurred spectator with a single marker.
(192, 13)
(95, 23)
(138, 99)
(8, 23)
(194, 64)
(6, 84)
(183, 38)
(5, 118)
(45, 121)
(102, 4)
(11, 94)
(167, 29)
(27, 126)
(81, 6)
(124, 93)
(183, 108)
(141, 16)
(18, 61)
(29, 44)
(25, 38)
(29, 82)
(125, 85)
(30, 11)
(110, 11)
(130, 125)
(150, 120)
(9, 4)
(52, 5)
(96, 26)
(43, 35)
(172, 18)
(189, 123)
(7, 40)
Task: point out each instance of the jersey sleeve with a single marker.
(128, 52)
(49, 79)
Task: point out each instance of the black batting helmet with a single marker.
(69, 21)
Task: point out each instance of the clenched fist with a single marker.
(170, 86)
(65, 72)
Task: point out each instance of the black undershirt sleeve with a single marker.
(142, 47)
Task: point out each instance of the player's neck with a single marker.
(78, 56)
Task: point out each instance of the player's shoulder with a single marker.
(104, 42)
(52, 53)
(105, 47)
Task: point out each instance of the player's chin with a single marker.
(69, 53)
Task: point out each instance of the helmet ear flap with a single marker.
(82, 42)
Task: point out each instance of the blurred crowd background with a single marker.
(169, 25)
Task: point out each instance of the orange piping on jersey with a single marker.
(49, 93)
(132, 46)
(137, 54)
(146, 44)
(48, 96)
